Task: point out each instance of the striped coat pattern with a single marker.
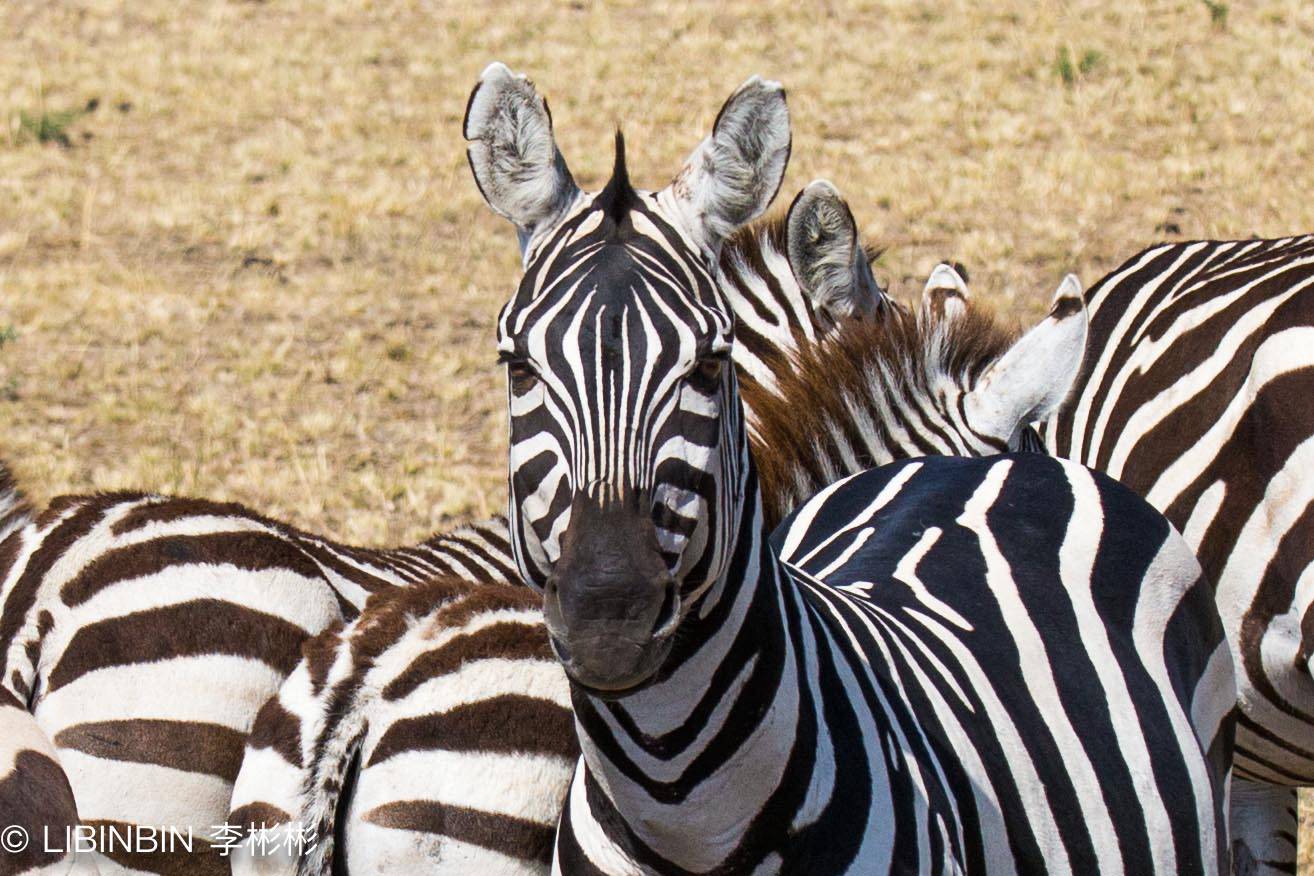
(759, 271)
(718, 679)
(1196, 395)
(1189, 394)
(206, 573)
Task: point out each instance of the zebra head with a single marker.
(628, 460)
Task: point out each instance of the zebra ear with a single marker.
(1031, 380)
(733, 175)
(513, 154)
(826, 256)
(945, 295)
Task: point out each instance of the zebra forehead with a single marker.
(620, 298)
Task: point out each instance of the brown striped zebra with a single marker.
(113, 598)
(37, 808)
(36, 800)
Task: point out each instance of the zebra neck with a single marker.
(683, 771)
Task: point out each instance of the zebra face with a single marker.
(627, 450)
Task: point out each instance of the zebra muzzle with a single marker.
(611, 604)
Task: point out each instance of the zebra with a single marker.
(292, 773)
(1194, 349)
(783, 268)
(440, 737)
(941, 624)
(35, 797)
(1194, 394)
(104, 568)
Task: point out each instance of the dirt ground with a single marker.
(242, 256)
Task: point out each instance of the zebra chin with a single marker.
(609, 667)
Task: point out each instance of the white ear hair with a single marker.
(826, 256)
(1031, 380)
(945, 295)
(733, 175)
(513, 154)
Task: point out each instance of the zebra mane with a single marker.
(618, 196)
(906, 351)
(860, 377)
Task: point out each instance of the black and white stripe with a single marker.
(1196, 395)
(154, 556)
(985, 694)
(1191, 394)
(897, 684)
(786, 310)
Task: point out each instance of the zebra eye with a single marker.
(521, 375)
(707, 373)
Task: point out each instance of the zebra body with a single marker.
(108, 634)
(811, 706)
(1190, 395)
(123, 596)
(449, 699)
(983, 695)
(1195, 394)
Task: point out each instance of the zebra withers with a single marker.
(901, 692)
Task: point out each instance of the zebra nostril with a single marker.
(668, 614)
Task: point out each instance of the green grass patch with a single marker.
(1069, 70)
(47, 127)
(1217, 13)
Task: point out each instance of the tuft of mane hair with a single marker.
(860, 372)
(618, 197)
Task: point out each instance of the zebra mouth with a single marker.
(612, 637)
(613, 668)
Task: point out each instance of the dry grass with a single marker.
(259, 270)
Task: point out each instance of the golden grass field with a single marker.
(259, 269)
